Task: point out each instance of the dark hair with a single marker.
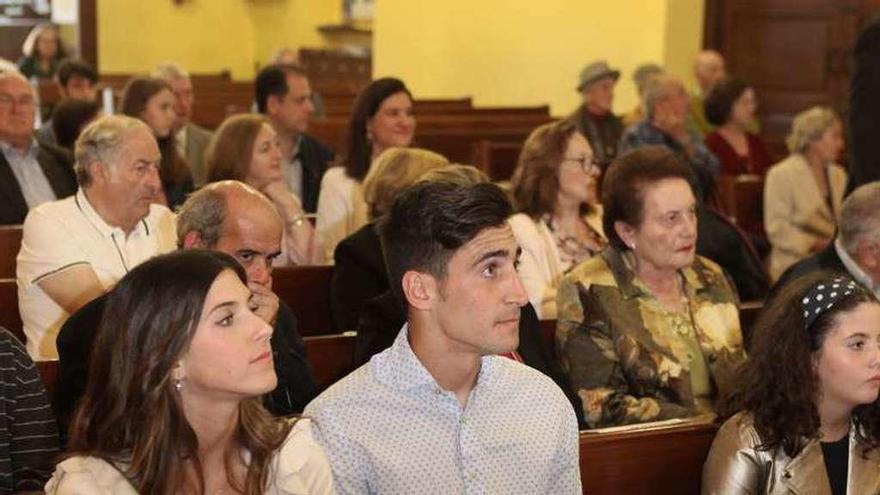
(778, 385)
(272, 81)
(137, 92)
(429, 221)
(625, 181)
(76, 67)
(358, 149)
(173, 169)
(536, 179)
(721, 98)
(69, 117)
(130, 415)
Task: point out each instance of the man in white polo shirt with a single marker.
(74, 249)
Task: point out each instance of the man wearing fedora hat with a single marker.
(594, 118)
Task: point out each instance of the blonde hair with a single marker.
(809, 126)
(456, 173)
(393, 171)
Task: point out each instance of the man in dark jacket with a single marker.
(233, 218)
(284, 96)
(31, 172)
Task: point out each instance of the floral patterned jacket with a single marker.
(622, 349)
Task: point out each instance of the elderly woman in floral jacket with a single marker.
(648, 330)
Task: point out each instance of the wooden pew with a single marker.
(331, 357)
(743, 199)
(10, 243)
(49, 374)
(306, 289)
(749, 311)
(661, 461)
(498, 159)
(341, 106)
(10, 318)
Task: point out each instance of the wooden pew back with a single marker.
(10, 318)
(10, 243)
(497, 159)
(664, 461)
(306, 289)
(49, 374)
(743, 198)
(331, 357)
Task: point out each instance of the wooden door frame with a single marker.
(87, 31)
(713, 24)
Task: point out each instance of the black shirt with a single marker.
(836, 456)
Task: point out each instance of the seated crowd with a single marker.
(146, 269)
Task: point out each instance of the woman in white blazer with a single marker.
(803, 193)
(559, 223)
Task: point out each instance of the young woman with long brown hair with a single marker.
(173, 400)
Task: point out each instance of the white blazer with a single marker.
(540, 267)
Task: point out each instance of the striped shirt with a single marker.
(28, 434)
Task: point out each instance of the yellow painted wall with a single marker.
(206, 35)
(292, 23)
(526, 52)
(684, 37)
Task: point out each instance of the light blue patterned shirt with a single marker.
(389, 428)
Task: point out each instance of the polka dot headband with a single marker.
(824, 295)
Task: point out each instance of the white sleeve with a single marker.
(334, 208)
(46, 247)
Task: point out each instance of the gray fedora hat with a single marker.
(595, 71)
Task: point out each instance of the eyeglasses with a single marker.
(7, 100)
(589, 164)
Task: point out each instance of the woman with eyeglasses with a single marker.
(559, 223)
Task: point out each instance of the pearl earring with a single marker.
(178, 384)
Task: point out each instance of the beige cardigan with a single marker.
(795, 214)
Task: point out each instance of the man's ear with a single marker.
(420, 289)
(193, 240)
(272, 104)
(97, 171)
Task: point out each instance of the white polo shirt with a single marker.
(61, 234)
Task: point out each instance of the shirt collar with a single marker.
(401, 369)
(295, 150)
(95, 219)
(853, 268)
(31, 151)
